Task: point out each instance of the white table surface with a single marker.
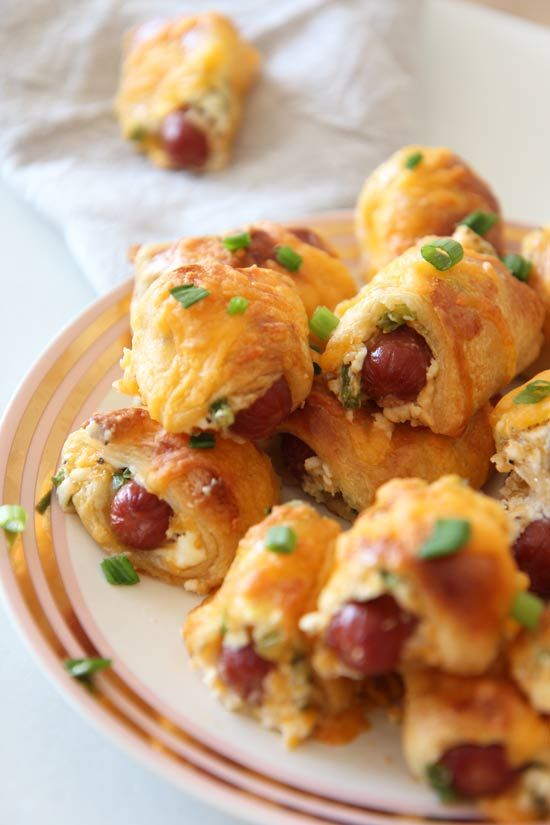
(483, 88)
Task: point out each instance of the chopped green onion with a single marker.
(447, 536)
(43, 503)
(323, 322)
(316, 368)
(84, 669)
(441, 780)
(281, 539)
(527, 609)
(395, 318)
(189, 294)
(203, 441)
(534, 392)
(237, 305)
(121, 477)
(138, 133)
(222, 413)
(519, 266)
(389, 578)
(60, 476)
(443, 253)
(288, 258)
(479, 221)
(349, 397)
(119, 570)
(13, 520)
(240, 241)
(413, 160)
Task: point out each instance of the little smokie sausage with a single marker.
(295, 453)
(532, 553)
(478, 770)
(396, 364)
(138, 518)
(260, 419)
(183, 141)
(309, 236)
(244, 672)
(369, 636)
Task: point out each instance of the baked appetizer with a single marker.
(418, 191)
(320, 276)
(521, 423)
(246, 639)
(341, 459)
(218, 348)
(433, 336)
(182, 89)
(536, 251)
(477, 739)
(420, 575)
(177, 506)
(529, 660)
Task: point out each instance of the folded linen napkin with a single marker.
(333, 99)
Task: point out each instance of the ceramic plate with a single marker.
(151, 702)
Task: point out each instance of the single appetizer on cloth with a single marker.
(424, 577)
(529, 662)
(219, 348)
(341, 459)
(536, 251)
(418, 191)
(477, 739)
(521, 422)
(433, 336)
(246, 638)
(177, 506)
(320, 276)
(182, 89)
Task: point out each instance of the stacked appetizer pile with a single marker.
(379, 402)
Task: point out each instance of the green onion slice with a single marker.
(443, 253)
(84, 669)
(281, 539)
(237, 305)
(349, 397)
(395, 318)
(203, 441)
(43, 503)
(60, 476)
(534, 392)
(323, 322)
(189, 294)
(288, 258)
(138, 133)
(519, 266)
(119, 570)
(441, 780)
(13, 520)
(479, 221)
(413, 160)
(527, 609)
(239, 241)
(447, 536)
(222, 413)
(121, 477)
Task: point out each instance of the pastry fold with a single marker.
(214, 494)
(529, 661)
(186, 362)
(321, 278)
(246, 638)
(342, 458)
(536, 248)
(398, 205)
(447, 601)
(195, 64)
(482, 327)
(486, 717)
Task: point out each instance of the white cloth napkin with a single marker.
(333, 99)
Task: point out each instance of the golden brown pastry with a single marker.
(431, 340)
(424, 577)
(478, 739)
(418, 191)
(198, 365)
(529, 659)
(313, 264)
(536, 249)
(246, 639)
(342, 457)
(521, 422)
(176, 506)
(182, 89)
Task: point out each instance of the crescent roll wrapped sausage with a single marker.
(431, 345)
(521, 422)
(418, 191)
(198, 364)
(477, 739)
(182, 89)
(422, 573)
(246, 639)
(176, 506)
(313, 264)
(536, 249)
(342, 459)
